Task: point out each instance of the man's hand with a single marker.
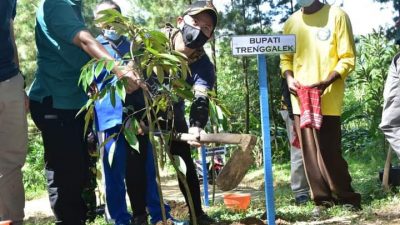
(196, 131)
(293, 84)
(322, 85)
(132, 80)
(131, 76)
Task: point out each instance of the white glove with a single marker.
(196, 131)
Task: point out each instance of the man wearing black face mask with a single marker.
(195, 28)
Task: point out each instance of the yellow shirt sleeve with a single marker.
(286, 59)
(346, 50)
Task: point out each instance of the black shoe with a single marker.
(204, 219)
(139, 220)
(302, 199)
(264, 216)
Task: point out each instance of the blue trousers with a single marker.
(114, 175)
(141, 182)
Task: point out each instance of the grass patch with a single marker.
(363, 165)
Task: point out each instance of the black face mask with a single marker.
(193, 37)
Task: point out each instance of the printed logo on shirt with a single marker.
(323, 34)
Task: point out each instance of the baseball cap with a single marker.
(203, 6)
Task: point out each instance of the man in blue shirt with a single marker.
(108, 121)
(64, 45)
(13, 124)
(195, 28)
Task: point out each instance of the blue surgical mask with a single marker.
(305, 3)
(111, 34)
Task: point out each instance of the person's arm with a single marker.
(322, 85)
(293, 84)
(204, 79)
(346, 50)
(198, 114)
(66, 25)
(16, 58)
(199, 108)
(203, 76)
(286, 64)
(84, 40)
(286, 59)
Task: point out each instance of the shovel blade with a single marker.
(234, 170)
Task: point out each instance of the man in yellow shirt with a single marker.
(325, 55)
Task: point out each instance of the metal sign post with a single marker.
(261, 45)
(205, 175)
(204, 153)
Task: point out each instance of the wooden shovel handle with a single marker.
(386, 170)
(225, 138)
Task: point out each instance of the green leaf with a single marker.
(158, 36)
(160, 73)
(99, 68)
(88, 118)
(179, 54)
(89, 79)
(111, 15)
(149, 69)
(184, 71)
(152, 51)
(222, 120)
(180, 164)
(120, 88)
(103, 93)
(212, 93)
(166, 62)
(81, 110)
(225, 110)
(170, 57)
(110, 65)
(108, 77)
(213, 113)
(181, 83)
(112, 96)
(82, 76)
(89, 103)
(185, 93)
(130, 135)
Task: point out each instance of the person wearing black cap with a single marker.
(194, 28)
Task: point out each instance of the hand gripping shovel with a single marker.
(239, 162)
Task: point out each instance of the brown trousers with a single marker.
(326, 170)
